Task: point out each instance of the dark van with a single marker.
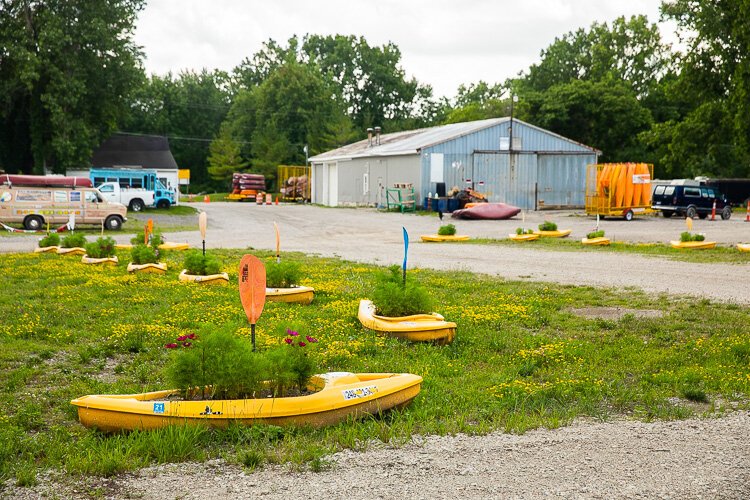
(689, 201)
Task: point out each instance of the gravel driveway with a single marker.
(684, 459)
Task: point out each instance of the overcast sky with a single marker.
(443, 42)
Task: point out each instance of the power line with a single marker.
(177, 138)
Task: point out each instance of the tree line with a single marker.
(71, 75)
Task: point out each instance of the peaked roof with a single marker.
(145, 151)
(412, 141)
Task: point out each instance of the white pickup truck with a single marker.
(133, 198)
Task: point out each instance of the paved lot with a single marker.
(367, 235)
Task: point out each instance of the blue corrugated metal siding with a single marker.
(562, 180)
(507, 180)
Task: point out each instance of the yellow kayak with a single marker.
(170, 245)
(743, 247)
(209, 279)
(71, 251)
(167, 245)
(441, 238)
(523, 237)
(694, 245)
(601, 241)
(416, 328)
(293, 295)
(561, 233)
(342, 395)
(103, 260)
(157, 268)
(52, 249)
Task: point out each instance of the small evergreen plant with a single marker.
(74, 240)
(548, 226)
(51, 240)
(283, 274)
(142, 254)
(102, 248)
(595, 234)
(447, 230)
(198, 264)
(394, 298)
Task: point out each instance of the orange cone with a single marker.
(277, 200)
(206, 199)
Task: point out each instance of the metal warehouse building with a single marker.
(508, 160)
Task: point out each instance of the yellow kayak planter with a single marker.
(600, 241)
(693, 245)
(442, 238)
(156, 268)
(416, 328)
(561, 233)
(209, 279)
(169, 245)
(52, 249)
(293, 295)
(123, 246)
(342, 395)
(743, 247)
(103, 260)
(523, 237)
(71, 251)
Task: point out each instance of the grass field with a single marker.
(522, 359)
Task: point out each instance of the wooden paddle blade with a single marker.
(252, 276)
(278, 241)
(689, 223)
(203, 224)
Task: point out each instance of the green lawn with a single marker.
(522, 359)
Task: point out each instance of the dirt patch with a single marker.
(615, 313)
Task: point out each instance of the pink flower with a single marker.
(191, 336)
(291, 332)
(187, 344)
(310, 339)
(288, 341)
(170, 346)
(301, 344)
(182, 338)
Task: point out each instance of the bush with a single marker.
(595, 234)
(103, 247)
(156, 239)
(283, 274)
(218, 360)
(141, 254)
(447, 230)
(548, 226)
(51, 240)
(521, 231)
(201, 265)
(74, 240)
(687, 237)
(392, 298)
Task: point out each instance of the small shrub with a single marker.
(201, 265)
(392, 298)
(695, 394)
(447, 230)
(73, 240)
(155, 239)
(51, 240)
(283, 274)
(548, 226)
(521, 231)
(687, 237)
(103, 247)
(252, 458)
(141, 254)
(595, 234)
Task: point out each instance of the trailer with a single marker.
(619, 189)
(246, 187)
(135, 178)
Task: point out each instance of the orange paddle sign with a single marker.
(278, 243)
(203, 224)
(148, 231)
(252, 287)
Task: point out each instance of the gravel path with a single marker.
(697, 458)
(625, 459)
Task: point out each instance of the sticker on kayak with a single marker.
(359, 392)
(158, 407)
